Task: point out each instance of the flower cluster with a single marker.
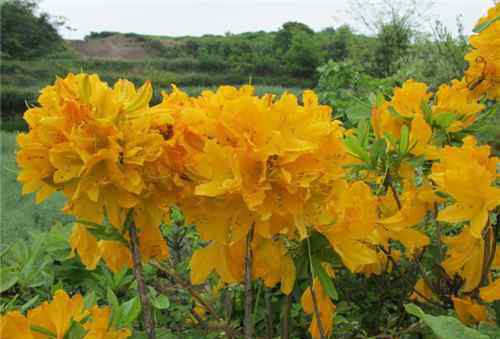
(257, 164)
(99, 147)
(56, 319)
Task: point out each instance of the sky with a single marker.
(198, 17)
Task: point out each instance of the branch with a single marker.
(285, 328)
(269, 314)
(248, 285)
(313, 294)
(147, 314)
(190, 289)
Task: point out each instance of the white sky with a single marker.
(198, 17)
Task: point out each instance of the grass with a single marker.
(19, 214)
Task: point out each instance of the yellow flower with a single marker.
(355, 216)
(423, 292)
(14, 325)
(464, 257)
(408, 99)
(98, 326)
(383, 121)
(325, 307)
(457, 99)
(491, 292)
(104, 149)
(218, 257)
(57, 315)
(468, 311)
(467, 174)
(483, 74)
(273, 265)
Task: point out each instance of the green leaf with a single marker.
(42, 330)
(445, 327)
(90, 299)
(8, 280)
(394, 113)
(325, 279)
(353, 145)
(76, 331)
(115, 307)
(103, 232)
(404, 141)
(489, 330)
(29, 303)
(130, 310)
(444, 119)
(362, 132)
(161, 302)
(482, 26)
(496, 308)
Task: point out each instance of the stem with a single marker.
(439, 235)
(249, 330)
(489, 254)
(189, 288)
(313, 294)
(147, 314)
(228, 305)
(269, 315)
(394, 192)
(257, 298)
(285, 329)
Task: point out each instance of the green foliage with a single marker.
(303, 55)
(345, 87)
(26, 35)
(393, 43)
(445, 327)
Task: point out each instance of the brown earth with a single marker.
(116, 47)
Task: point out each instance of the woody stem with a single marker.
(313, 295)
(248, 285)
(147, 314)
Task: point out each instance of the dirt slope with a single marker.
(111, 47)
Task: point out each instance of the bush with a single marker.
(26, 35)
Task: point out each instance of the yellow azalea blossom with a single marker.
(468, 311)
(408, 99)
(56, 316)
(273, 264)
(100, 146)
(483, 74)
(227, 261)
(383, 121)
(491, 292)
(325, 307)
(457, 99)
(467, 174)
(464, 257)
(98, 327)
(14, 325)
(423, 292)
(355, 216)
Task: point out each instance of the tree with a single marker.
(374, 14)
(303, 56)
(393, 42)
(283, 39)
(338, 48)
(26, 35)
